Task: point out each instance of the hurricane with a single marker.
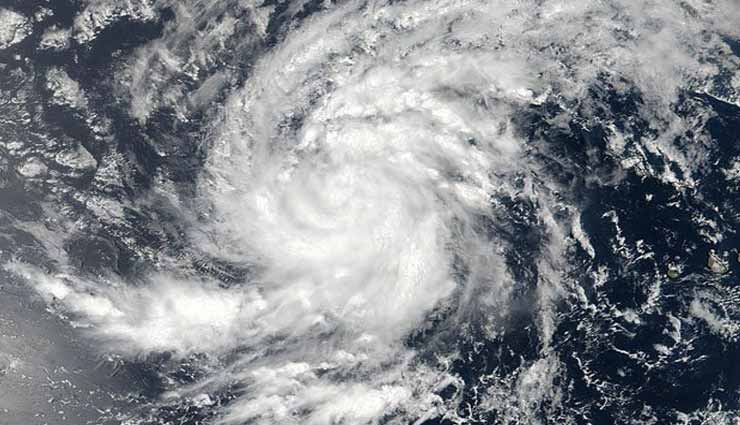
(383, 212)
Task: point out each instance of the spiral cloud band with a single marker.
(361, 173)
(352, 171)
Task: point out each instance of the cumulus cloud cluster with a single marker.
(352, 170)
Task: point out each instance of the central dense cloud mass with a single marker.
(352, 169)
(357, 172)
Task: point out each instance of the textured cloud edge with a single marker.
(353, 170)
